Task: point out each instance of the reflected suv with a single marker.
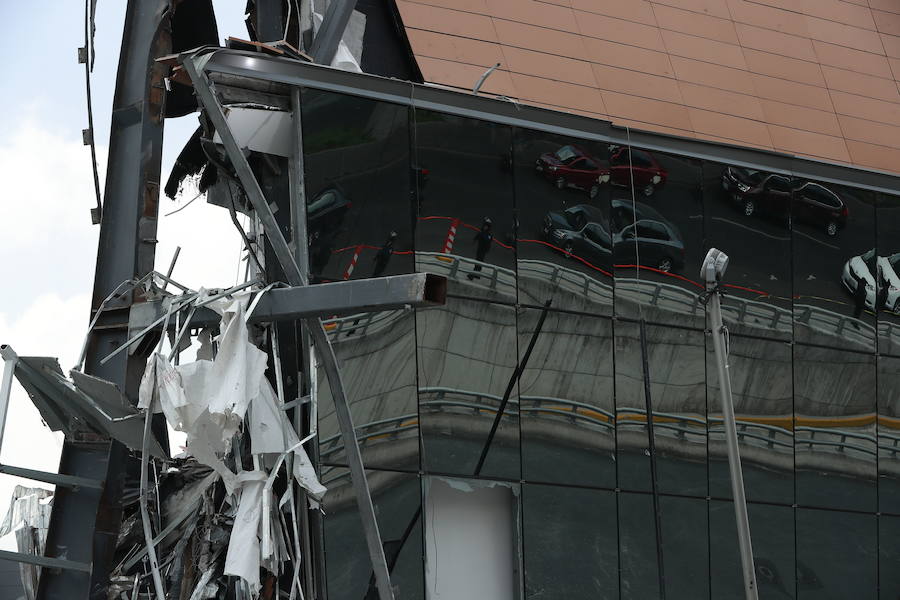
(570, 166)
(770, 193)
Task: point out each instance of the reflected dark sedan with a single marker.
(757, 192)
(582, 231)
(570, 166)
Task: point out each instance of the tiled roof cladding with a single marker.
(817, 78)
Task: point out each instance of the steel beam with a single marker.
(46, 561)
(326, 42)
(326, 353)
(258, 68)
(84, 525)
(322, 300)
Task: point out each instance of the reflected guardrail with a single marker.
(677, 425)
(655, 294)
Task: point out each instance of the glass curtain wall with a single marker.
(573, 341)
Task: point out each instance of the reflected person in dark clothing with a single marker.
(859, 297)
(882, 291)
(483, 239)
(383, 256)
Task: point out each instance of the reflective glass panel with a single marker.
(358, 208)
(685, 547)
(747, 217)
(772, 537)
(562, 203)
(657, 235)
(829, 565)
(887, 271)
(676, 360)
(834, 289)
(888, 557)
(570, 543)
(834, 428)
(762, 390)
(889, 434)
(466, 227)
(348, 568)
(566, 399)
(377, 355)
(467, 358)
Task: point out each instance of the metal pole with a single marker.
(9, 368)
(297, 186)
(329, 361)
(734, 459)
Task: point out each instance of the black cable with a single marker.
(88, 64)
(520, 367)
(654, 481)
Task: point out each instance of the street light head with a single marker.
(714, 266)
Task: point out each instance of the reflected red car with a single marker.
(570, 166)
(642, 167)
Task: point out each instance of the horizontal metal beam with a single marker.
(270, 69)
(45, 561)
(69, 481)
(322, 300)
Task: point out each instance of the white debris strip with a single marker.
(211, 401)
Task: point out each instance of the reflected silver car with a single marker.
(866, 267)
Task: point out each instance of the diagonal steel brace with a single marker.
(295, 277)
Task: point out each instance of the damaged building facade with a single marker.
(472, 356)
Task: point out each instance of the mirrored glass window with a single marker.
(467, 356)
(748, 218)
(889, 434)
(762, 390)
(676, 360)
(466, 227)
(358, 207)
(834, 428)
(887, 272)
(570, 543)
(684, 543)
(398, 501)
(564, 242)
(834, 268)
(566, 399)
(888, 557)
(772, 537)
(657, 235)
(377, 355)
(829, 565)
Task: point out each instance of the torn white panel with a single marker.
(237, 370)
(470, 540)
(243, 557)
(267, 423)
(260, 130)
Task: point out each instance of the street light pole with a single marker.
(714, 266)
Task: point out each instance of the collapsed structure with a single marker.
(469, 359)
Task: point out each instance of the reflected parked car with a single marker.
(641, 166)
(758, 192)
(866, 267)
(570, 166)
(582, 231)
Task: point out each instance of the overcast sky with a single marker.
(49, 243)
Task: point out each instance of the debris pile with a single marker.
(224, 518)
